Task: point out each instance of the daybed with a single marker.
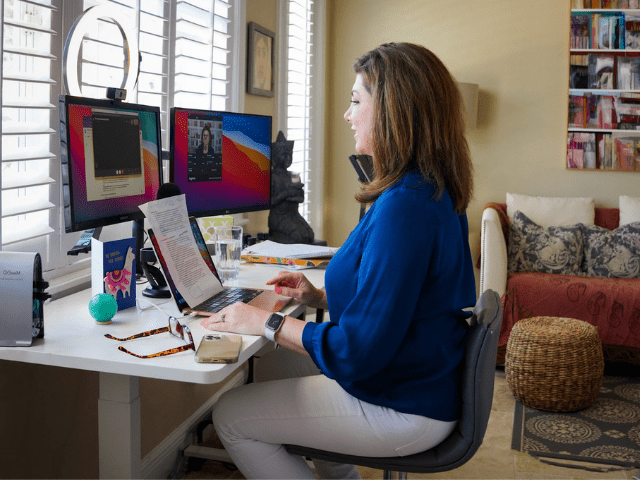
(610, 304)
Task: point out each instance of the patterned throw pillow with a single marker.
(612, 253)
(533, 248)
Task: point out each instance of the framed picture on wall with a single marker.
(260, 61)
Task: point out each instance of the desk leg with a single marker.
(119, 426)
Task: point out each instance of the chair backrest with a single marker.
(479, 366)
(479, 370)
(478, 375)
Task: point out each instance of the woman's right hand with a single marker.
(296, 285)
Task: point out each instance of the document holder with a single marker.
(22, 291)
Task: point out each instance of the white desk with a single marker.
(73, 340)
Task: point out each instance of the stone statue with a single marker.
(286, 225)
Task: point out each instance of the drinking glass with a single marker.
(228, 251)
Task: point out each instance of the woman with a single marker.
(205, 149)
(382, 375)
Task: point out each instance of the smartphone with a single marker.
(219, 348)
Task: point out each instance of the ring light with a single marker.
(83, 24)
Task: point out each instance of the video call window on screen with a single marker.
(110, 160)
(204, 162)
(234, 175)
(116, 143)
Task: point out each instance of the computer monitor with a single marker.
(110, 155)
(221, 161)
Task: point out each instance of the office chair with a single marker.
(477, 395)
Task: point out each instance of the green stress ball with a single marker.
(103, 307)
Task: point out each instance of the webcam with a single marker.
(116, 93)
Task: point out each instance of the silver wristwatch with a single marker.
(272, 325)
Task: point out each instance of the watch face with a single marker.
(274, 321)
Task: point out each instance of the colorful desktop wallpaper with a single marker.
(246, 165)
(88, 211)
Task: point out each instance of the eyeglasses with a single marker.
(175, 328)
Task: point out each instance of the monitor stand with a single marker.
(157, 287)
(145, 260)
(83, 245)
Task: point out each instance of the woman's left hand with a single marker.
(237, 318)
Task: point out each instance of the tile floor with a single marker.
(494, 459)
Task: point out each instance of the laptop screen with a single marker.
(202, 246)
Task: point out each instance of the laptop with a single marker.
(264, 299)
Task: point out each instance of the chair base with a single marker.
(389, 475)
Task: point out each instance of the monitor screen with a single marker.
(221, 161)
(110, 159)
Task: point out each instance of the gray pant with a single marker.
(292, 403)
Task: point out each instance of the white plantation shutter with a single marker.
(103, 56)
(303, 102)
(202, 54)
(29, 157)
(189, 57)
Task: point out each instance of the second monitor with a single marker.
(221, 161)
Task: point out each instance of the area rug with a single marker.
(603, 437)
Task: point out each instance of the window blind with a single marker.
(300, 94)
(27, 121)
(202, 54)
(185, 61)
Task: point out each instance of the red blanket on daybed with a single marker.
(610, 304)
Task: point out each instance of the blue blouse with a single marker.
(396, 290)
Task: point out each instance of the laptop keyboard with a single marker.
(228, 296)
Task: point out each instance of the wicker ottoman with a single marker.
(554, 364)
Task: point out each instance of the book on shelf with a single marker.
(596, 111)
(592, 109)
(615, 30)
(629, 122)
(577, 111)
(604, 37)
(601, 71)
(621, 4)
(581, 150)
(579, 71)
(620, 29)
(580, 30)
(606, 151)
(628, 72)
(632, 32)
(603, 159)
(626, 152)
(606, 114)
(627, 109)
(611, 28)
(573, 152)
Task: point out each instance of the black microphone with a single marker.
(168, 190)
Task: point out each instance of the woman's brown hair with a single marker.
(418, 122)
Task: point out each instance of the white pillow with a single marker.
(552, 211)
(629, 209)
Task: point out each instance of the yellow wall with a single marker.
(516, 51)
(264, 13)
